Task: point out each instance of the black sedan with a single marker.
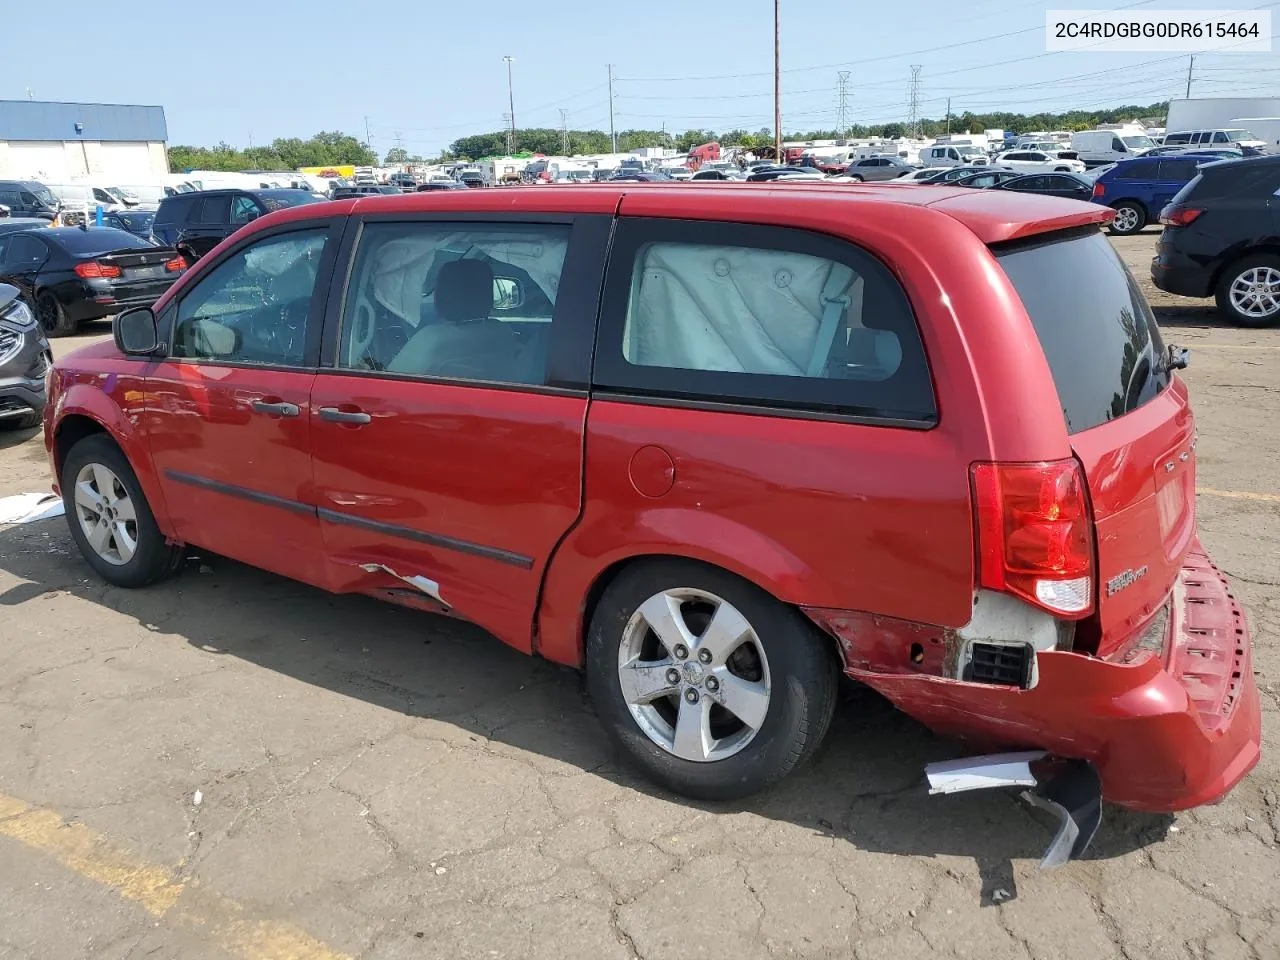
(955, 173)
(432, 185)
(640, 176)
(1069, 185)
(75, 274)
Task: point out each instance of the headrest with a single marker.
(464, 290)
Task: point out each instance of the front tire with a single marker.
(53, 318)
(109, 517)
(1129, 219)
(1248, 292)
(854, 177)
(712, 687)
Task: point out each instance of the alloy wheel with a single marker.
(1255, 293)
(106, 514)
(1126, 220)
(694, 674)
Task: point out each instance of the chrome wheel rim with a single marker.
(106, 514)
(1126, 220)
(694, 674)
(1256, 292)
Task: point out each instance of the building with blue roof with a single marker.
(120, 144)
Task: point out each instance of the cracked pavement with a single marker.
(397, 785)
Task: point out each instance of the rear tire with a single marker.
(53, 318)
(759, 681)
(1248, 292)
(855, 177)
(104, 500)
(1129, 219)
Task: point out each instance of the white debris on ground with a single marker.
(29, 507)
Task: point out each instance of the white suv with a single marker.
(1038, 161)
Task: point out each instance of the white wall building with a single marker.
(65, 142)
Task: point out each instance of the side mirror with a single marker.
(136, 332)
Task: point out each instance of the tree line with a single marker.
(334, 148)
(331, 148)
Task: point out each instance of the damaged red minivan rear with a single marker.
(714, 446)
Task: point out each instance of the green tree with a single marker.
(396, 156)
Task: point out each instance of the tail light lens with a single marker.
(1099, 190)
(176, 264)
(1035, 534)
(92, 270)
(1179, 216)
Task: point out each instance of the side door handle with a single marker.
(279, 409)
(334, 415)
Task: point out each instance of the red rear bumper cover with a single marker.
(1165, 733)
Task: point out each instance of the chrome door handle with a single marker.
(334, 415)
(276, 409)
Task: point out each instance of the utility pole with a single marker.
(1191, 66)
(842, 112)
(564, 130)
(368, 140)
(511, 102)
(948, 114)
(777, 84)
(613, 137)
(913, 105)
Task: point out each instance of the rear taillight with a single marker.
(176, 264)
(92, 270)
(1179, 216)
(1035, 534)
(1098, 190)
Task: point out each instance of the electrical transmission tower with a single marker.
(913, 102)
(564, 131)
(842, 111)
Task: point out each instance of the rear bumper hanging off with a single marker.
(1170, 730)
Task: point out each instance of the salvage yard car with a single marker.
(713, 446)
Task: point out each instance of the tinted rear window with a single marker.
(96, 240)
(1095, 327)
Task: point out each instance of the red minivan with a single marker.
(714, 446)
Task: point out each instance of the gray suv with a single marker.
(878, 168)
(24, 362)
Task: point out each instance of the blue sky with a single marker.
(425, 74)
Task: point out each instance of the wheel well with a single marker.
(1262, 249)
(71, 430)
(611, 572)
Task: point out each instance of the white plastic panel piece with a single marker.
(983, 773)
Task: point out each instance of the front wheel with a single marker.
(712, 687)
(109, 517)
(1129, 219)
(1249, 291)
(855, 177)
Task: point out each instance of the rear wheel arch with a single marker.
(611, 573)
(1267, 248)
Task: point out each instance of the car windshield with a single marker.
(1138, 143)
(45, 196)
(279, 199)
(1097, 332)
(96, 241)
(1235, 136)
(134, 220)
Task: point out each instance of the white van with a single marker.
(952, 155)
(1237, 138)
(1099, 147)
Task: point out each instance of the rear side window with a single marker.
(1095, 327)
(1137, 170)
(214, 210)
(759, 316)
(1177, 170)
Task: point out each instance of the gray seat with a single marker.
(466, 343)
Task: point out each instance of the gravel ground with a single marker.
(230, 764)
